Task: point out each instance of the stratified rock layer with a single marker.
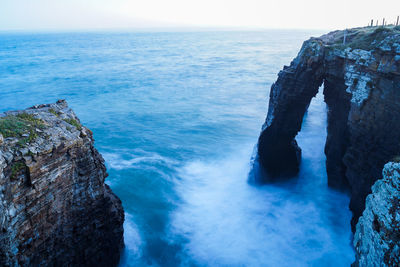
(55, 208)
(377, 237)
(289, 99)
(361, 80)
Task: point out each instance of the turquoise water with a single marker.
(176, 117)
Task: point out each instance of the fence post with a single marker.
(397, 23)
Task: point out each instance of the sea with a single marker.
(176, 116)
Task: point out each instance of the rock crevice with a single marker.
(361, 81)
(56, 209)
(377, 238)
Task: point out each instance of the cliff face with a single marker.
(55, 208)
(377, 238)
(361, 83)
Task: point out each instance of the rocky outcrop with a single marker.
(361, 80)
(289, 99)
(55, 209)
(377, 237)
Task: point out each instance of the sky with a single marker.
(136, 14)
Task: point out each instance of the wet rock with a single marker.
(55, 208)
(377, 237)
(289, 99)
(361, 83)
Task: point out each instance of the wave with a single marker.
(133, 243)
(228, 221)
(131, 160)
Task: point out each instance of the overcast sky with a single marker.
(126, 14)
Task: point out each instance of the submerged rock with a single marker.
(55, 208)
(377, 237)
(361, 81)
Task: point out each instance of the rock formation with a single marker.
(55, 209)
(361, 80)
(377, 237)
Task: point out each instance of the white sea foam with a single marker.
(123, 160)
(133, 243)
(229, 222)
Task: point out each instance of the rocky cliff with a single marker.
(55, 209)
(361, 82)
(377, 238)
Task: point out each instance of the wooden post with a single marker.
(397, 23)
(372, 22)
(383, 22)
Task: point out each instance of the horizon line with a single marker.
(158, 29)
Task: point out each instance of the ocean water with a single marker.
(176, 116)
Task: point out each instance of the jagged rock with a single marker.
(361, 82)
(377, 237)
(289, 99)
(55, 208)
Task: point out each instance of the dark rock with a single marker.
(377, 236)
(362, 90)
(55, 208)
(289, 99)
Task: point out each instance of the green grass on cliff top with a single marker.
(22, 126)
(367, 38)
(74, 122)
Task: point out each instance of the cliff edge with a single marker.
(55, 208)
(360, 73)
(377, 238)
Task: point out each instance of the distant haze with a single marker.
(125, 14)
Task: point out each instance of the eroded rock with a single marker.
(377, 237)
(361, 82)
(55, 208)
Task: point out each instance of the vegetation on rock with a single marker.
(22, 126)
(16, 168)
(52, 111)
(74, 122)
(366, 38)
